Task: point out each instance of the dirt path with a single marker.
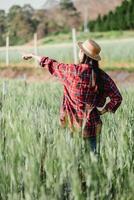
(40, 75)
(123, 78)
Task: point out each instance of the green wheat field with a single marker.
(116, 53)
(30, 135)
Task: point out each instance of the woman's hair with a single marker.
(95, 66)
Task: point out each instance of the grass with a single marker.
(67, 37)
(30, 130)
(115, 53)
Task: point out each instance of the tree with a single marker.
(97, 26)
(22, 22)
(2, 26)
(113, 21)
(70, 16)
(130, 15)
(28, 10)
(121, 19)
(41, 22)
(20, 25)
(67, 5)
(84, 13)
(2, 21)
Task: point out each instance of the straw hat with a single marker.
(91, 49)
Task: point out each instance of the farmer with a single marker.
(86, 88)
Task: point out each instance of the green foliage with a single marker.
(121, 19)
(2, 26)
(22, 22)
(116, 52)
(20, 28)
(67, 5)
(31, 135)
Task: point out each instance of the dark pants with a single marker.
(93, 144)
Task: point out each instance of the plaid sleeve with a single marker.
(114, 95)
(59, 70)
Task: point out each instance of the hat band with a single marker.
(88, 51)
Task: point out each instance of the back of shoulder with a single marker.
(105, 76)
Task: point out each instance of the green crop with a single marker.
(30, 134)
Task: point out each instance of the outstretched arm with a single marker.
(60, 70)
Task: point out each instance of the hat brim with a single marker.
(97, 57)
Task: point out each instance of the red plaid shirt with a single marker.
(78, 92)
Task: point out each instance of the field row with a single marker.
(31, 135)
(115, 53)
